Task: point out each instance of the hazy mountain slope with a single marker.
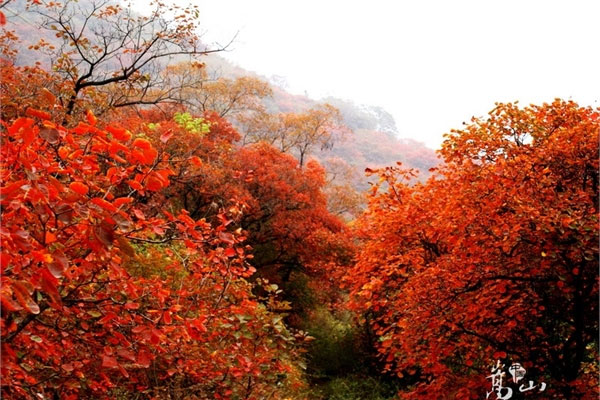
(375, 141)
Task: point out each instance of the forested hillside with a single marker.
(168, 232)
(374, 140)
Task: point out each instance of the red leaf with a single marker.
(138, 329)
(20, 123)
(63, 152)
(226, 237)
(150, 155)
(50, 135)
(23, 295)
(135, 185)
(105, 234)
(49, 285)
(103, 204)
(155, 336)
(32, 112)
(109, 362)
(122, 200)
(153, 184)
(144, 359)
(79, 187)
(230, 252)
(196, 161)
(50, 237)
(139, 214)
(167, 317)
(7, 190)
(123, 371)
(56, 269)
(119, 133)
(8, 303)
(68, 367)
(166, 136)
(143, 144)
(128, 355)
(107, 318)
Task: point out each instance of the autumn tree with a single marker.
(230, 97)
(296, 133)
(110, 289)
(495, 257)
(289, 224)
(319, 127)
(343, 199)
(274, 129)
(111, 55)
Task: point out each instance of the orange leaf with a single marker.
(142, 143)
(32, 112)
(79, 187)
(103, 204)
(122, 200)
(119, 133)
(91, 118)
(196, 161)
(48, 96)
(135, 185)
(63, 152)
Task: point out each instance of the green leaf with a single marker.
(94, 313)
(36, 338)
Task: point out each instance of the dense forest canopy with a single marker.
(169, 233)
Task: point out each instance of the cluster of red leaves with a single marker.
(280, 206)
(495, 257)
(289, 212)
(107, 288)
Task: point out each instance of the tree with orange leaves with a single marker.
(495, 257)
(110, 289)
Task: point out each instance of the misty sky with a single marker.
(432, 64)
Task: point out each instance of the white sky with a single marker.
(432, 64)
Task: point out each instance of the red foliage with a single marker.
(496, 257)
(106, 289)
(280, 206)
